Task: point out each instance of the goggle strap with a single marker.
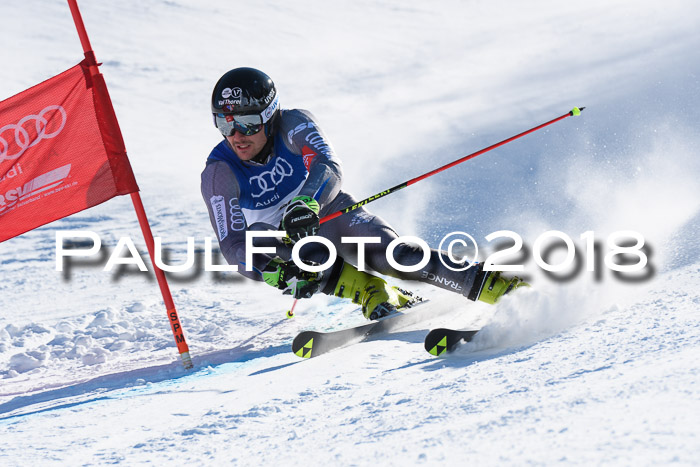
(270, 109)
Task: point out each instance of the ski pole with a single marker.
(290, 312)
(575, 111)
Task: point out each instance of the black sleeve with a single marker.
(221, 192)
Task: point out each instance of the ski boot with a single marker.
(490, 286)
(376, 297)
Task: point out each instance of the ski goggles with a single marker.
(247, 125)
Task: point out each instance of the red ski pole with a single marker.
(573, 112)
(381, 194)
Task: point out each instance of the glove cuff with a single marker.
(308, 201)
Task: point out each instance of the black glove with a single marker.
(300, 218)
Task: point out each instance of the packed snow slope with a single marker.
(586, 367)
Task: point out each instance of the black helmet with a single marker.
(250, 96)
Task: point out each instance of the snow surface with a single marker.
(588, 370)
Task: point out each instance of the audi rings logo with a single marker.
(267, 181)
(15, 138)
(237, 217)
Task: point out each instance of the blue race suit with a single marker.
(246, 195)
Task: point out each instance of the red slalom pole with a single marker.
(102, 95)
(575, 111)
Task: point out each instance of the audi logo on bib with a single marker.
(16, 138)
(267, 181)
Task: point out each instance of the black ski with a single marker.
(309, 344)
(439, 341)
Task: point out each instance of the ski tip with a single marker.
(304, 350)
(442, 340)
(576, 111)
(439, 348)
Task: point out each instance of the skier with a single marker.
(276, 170)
